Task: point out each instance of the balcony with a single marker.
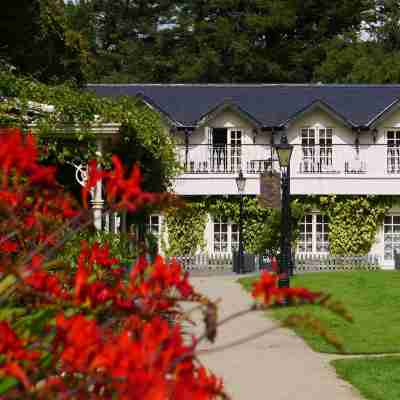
(225, 159)
(337, 169)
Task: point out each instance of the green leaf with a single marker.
(6, 384)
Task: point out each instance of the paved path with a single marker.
(276, 366)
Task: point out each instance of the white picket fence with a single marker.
(315, 263)
(304, 263)
(205, 263)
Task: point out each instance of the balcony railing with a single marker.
(224, 159)
(335, 160)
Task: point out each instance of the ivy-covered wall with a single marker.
(184, 227)
(353, 222)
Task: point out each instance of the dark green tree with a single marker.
(258, 40)
(356, 61)
(34, 39)
(213, 40)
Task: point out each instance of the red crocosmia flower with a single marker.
(94, 175)
(81, 279)
(301, 294)
(42, 175)
(8, 246)
(14, 352)
(265, 288)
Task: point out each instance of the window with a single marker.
(322, 234)
(153, 225)
(391, 227)
(225, 149)
(225, 237)
(317, 150)
(306, 235)
(314, 234)
(393, 151)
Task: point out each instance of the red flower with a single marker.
(8, 246)
(266, 290)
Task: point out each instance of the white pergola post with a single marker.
(97, 198)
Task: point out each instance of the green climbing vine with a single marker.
(184, 228)
(261, 226)
(66, 126)
(353, 221)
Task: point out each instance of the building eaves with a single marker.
(323, 106)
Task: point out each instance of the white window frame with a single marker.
(393, 151)
(391, 237)
(150, 224)
(313, 240)
(317, 148)
(232, 236)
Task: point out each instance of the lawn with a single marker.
(375, 378)
(373, 298)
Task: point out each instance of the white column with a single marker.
(97, 199)
(208, 232)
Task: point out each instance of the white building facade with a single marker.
(346, 142)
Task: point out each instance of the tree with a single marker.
(212, 41)
(35, 40)
(124, 36)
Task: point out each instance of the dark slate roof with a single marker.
(270, 104)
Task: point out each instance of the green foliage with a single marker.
(351, 61)
(121, 246)
(261, 226)
(254, 218)
(270, 234)
(67, 132)
(353, 221)
(185, 229)
(35, 39)
(225, 41)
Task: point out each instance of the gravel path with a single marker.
(277, 365)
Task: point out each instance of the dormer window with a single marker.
(317, 150)
(393, 151)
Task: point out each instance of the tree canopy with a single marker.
(203, 41)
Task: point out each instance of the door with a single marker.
(235, 140)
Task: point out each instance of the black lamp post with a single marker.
(241, 183)
(284, 150)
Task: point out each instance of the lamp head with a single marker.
(284, 150)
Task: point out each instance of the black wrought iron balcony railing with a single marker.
(225, 159)
(334, 160)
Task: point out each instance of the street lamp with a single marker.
(241, 183)
(284, 150)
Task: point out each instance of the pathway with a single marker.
(276, 366)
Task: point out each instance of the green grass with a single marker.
(373, 298)
(375, 378)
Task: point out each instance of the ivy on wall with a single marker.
(353, 221)
(261, 226)
(184, 228)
